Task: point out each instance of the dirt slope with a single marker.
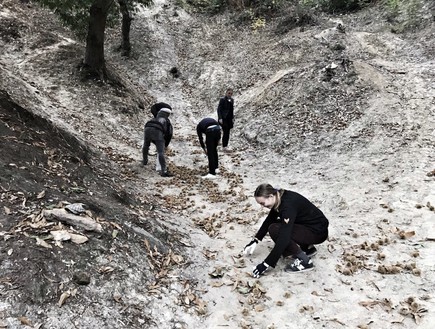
(357, 140)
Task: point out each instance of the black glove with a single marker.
(250, 247)
(259, 270)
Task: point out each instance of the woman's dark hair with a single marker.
(264, 190)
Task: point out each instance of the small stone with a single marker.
(81, 278)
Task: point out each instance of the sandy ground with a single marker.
(374, 180)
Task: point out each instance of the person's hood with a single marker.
(164, 113)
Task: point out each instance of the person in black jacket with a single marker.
(155, 108)
(159, 132)
(294, 224)
(225, 112)
(210, 127)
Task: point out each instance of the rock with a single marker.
(81, 278)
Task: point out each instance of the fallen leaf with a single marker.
(42, 243)
(117, 297)
(7, 210)
(116, 225)
(154, 291)
(306, 308)
(60, 235)
(218, 272)
(105, 269)
(331, 248)
(25, 321)
(201, 308)
(259, 308)
(63, 297)
(315, 293)
(368, 303)
(406, 235)
(243, 290)
(216, 284)
(78, 238)
(178, 259)
(41, 195)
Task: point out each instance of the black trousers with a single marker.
(301, 237)
(212, 138)
(226, 136)
(155, 136)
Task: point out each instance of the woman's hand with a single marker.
(259, 270)
(250, 247)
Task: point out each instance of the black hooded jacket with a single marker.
(158, 106)
(162, 123)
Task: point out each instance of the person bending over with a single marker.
(294, 224)
(210, 128)
(159, 132)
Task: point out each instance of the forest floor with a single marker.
(356, 139)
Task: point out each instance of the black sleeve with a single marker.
(154, 110)
(271, 217)
(220, 108)
(231, 114)
(168, 135)
(200, 137)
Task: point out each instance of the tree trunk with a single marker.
(94, 56)
(126, 22)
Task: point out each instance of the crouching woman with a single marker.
(294, 224)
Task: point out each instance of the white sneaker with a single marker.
(217, 171)
(209, 176)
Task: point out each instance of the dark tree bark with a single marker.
(94, 61)
(126, 23)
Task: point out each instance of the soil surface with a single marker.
(338, 108)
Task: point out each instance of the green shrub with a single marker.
(405, 15)
(258, 23)
(334, 6)
(260, 7)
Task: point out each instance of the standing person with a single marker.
(294, 224)
(210, 127)
(225, 113)
(159, 132)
